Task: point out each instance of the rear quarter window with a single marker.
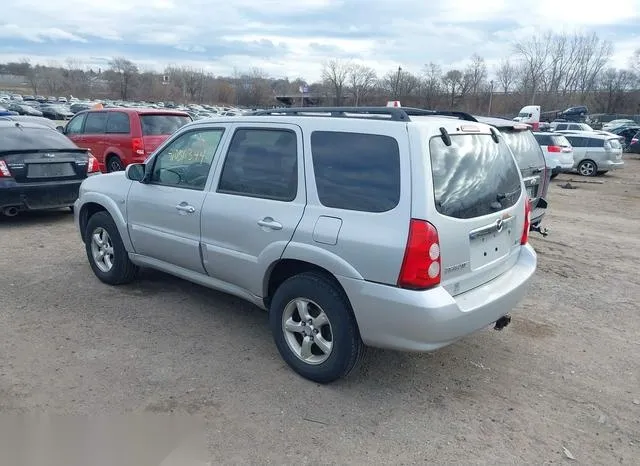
(525, 148)
(162, 125)
(355, 171)
(474, 176)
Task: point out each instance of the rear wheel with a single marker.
(588, 168)
(114, 164)
(314, 328)
(107, 255)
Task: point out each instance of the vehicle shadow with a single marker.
(36, 217)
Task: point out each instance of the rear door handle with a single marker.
(270, 223)
(184, 207)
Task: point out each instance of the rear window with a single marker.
(160, 125)
(475, 176)
(356, 171)
(559, 141)
(33, 139)
(525, 148)
(613, 143)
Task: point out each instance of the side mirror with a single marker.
(60, 129)
(135, 172)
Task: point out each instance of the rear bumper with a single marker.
(35, 196)
(407, 320)
(611, 164)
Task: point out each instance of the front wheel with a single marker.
(107, 255)
(588, 168)
(314, 328)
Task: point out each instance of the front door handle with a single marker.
(270, 223)
(184, 207)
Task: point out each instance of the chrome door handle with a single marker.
(270, 223)
(186, 208)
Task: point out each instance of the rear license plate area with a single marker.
(50, 170)
(490, 247)
(532, 191)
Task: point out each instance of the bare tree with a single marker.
(615, 84)
(123, 72)
(506, 74)
(431, 84)
(335, 74)
(453, 82)
(634, 62)
(476, 74)
(362, 80)
(533, 54)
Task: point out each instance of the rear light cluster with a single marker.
(421, 266)
(554, 148)
(93, 166)
(137, 145)
(4, 170)
(527, 221)
(634, 141)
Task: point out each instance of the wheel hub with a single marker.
(307, 331)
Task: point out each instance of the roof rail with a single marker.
(396, 113)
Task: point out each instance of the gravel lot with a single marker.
(564, 375)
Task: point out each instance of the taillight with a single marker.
(634, 141)
(554, 148)
(92, 165)
(4, 170)
(421, 264)
(137, 144)
(527, 221)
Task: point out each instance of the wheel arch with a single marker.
(94, 202)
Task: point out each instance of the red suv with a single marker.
(118, 137)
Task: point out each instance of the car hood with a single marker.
(114, 185)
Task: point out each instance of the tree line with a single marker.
(554, 70)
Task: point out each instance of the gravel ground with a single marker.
(562, 381)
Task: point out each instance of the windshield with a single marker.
(21, 138)
(524, 115)
(474, 176)
(156, 125)
(525, 148)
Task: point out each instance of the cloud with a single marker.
(293, 38)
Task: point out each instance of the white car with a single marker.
(558, 152)
(616, 123)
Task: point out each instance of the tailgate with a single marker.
(480, 209)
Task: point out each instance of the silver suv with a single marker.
(389, 227)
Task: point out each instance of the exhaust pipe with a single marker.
(10, 211)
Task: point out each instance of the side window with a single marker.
(577, 141)
(75, 125)
(593, 142)
(572, 127)
(561, 126)
(118, 123)
(261, 163)
(96, 123)
(356, 171)
(185, 162)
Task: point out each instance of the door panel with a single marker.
(164, 213)
(255, 204)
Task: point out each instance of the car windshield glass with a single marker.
(156, 125)
(21, 138)
(525, 148)
(474, 176)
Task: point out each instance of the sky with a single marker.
(292, 38)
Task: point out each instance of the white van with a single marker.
(530, 114)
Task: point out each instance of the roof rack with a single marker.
(395, 113)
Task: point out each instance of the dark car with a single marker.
(578, 113)
(56, 112)
(79, 107)
(531, 162)
(626, 133)
(23, 109)
(39, 168)
(634, 145)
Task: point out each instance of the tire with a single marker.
(588, 168)
(320, 294)
(114, 164)
(121, 269)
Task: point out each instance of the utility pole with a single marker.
(398, 83)
(490, 96)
